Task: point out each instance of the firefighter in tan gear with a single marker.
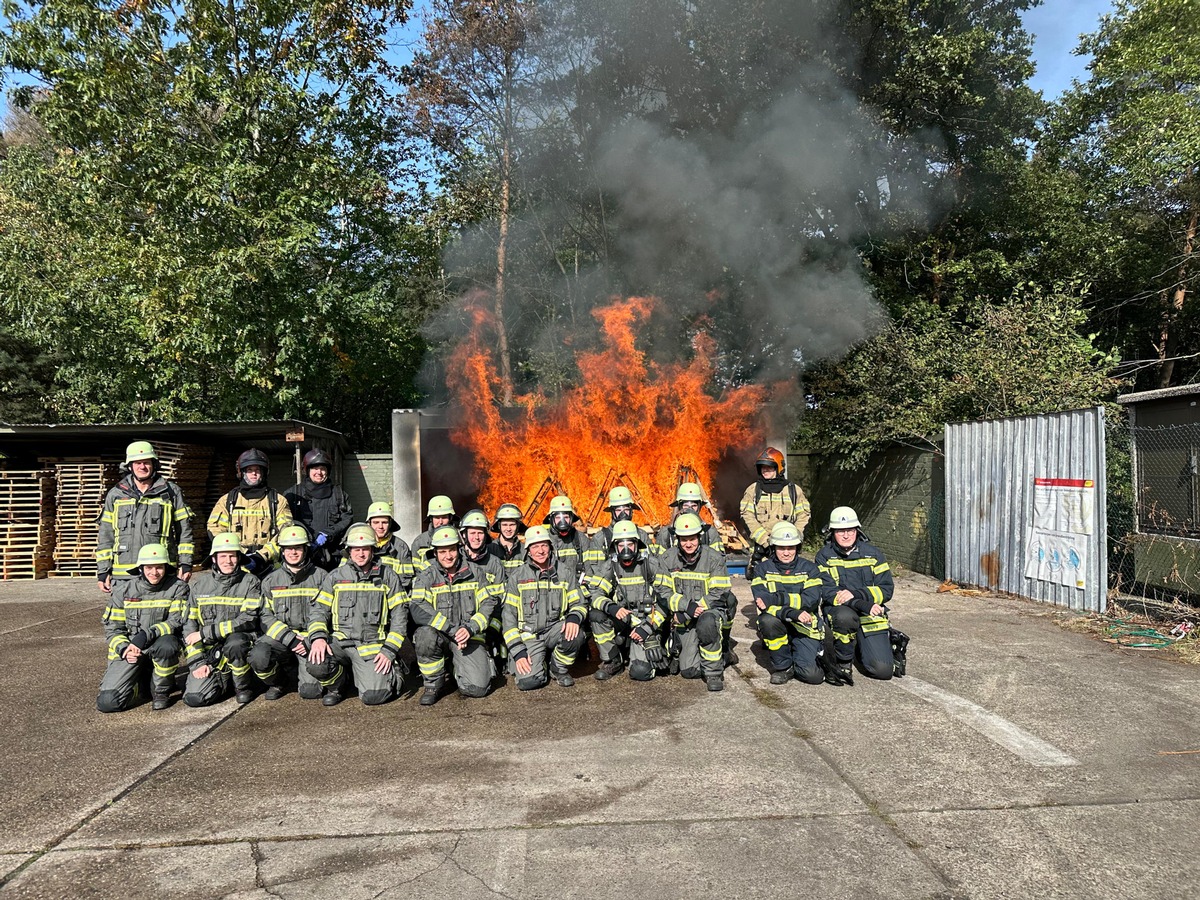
(770, 499)
(508, 529)
(452, 602)
(390, 548)
(254, 512)
(697, 580)
(787, 593)
(359, 621)
(218, 631)
(439, 513)
(543, 615)
(142, 623)
(288, 593)
(142, 508)
(629, 606)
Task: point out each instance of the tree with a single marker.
(210, 226)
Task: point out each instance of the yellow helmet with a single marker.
(139, 450)
(474, 519)
(226, 543)
(626, 531)
(536, 534)
(843, 517)
(382, 510)
(687, 525)
(688, 492)
(508, 512)
(561, 504)
(360, 536)
(153, 555)
(785, 534)
(293, 536)
(446, 536)
(441, 505)
(620, 496)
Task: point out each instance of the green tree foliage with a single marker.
(211, 228)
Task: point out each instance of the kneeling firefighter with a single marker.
(855, 602)
(629, 605)
(698, 581)
(787, 592)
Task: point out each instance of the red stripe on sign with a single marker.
(1065, 482)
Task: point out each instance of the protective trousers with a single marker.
(275, 664)
(871, 635)
(232, 671)
(123, 683)
(793, 648)
(612, 639)
(473, 667)
(561, 655)
(700, 646)
(344, 663)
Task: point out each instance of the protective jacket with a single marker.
(256, 515)
(862, 570)
(573, 550)
(709, 537)
(221, 604)
(321, 508)
(489, 570)
(701, 580)
(137, 605)
(538, 598)
(363, 608)
(640, 588)
(288, 598)
(509, 558)
(766, 502)
(447, 601)
(422, 550)
(394, 553)
(797, 586)
(131, 519)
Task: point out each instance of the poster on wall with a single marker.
(1057, 556)
(1064, 504)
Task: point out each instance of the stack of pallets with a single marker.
(26, 520)
(188, 466)
(82, 483)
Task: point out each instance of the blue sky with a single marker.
(1056, 26)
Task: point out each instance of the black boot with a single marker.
(783, 676)
(433, 690)
(728, 653)
(609, 668)
(899, 652)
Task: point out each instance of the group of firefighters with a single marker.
(298, 597)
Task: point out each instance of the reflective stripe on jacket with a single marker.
(131, 519)
(137, 605)
(365, 608)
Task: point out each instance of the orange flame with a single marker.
(628, 421)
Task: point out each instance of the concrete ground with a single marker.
(1018, 758)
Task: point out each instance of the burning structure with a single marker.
(629, 420)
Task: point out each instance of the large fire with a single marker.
(628, 421)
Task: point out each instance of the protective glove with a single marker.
(790, 614)
(654, 649)
(321, 539)
(693, 609)
(140, 639)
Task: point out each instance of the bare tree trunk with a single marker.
(1168, 338)
(506, 382)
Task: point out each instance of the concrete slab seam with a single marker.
(117, 798)
(91, 609)
(996, 728)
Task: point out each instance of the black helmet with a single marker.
(253, 457)
(316, 458)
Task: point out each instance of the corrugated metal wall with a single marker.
(990, 472)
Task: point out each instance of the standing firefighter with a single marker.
(254, 512)
(620, 508)
(143, 508)
(219, 629)
(390, 548)
(142, 624)
(453, 603)
(359, 621)
(772, 498)
(571, 545)
(630, 604)
(288, 594)
(509, 529)
(787, 591)
(438, 514)
(856, 599)
(322, 507)
(543, 615)
(697, 580)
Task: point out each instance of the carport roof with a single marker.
(269, 434)
(1182, 390)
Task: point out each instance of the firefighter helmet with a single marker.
(770, 457)
(226, 543)
(293, 536)
(446, 536)
(317, 458)
(252, 457)
(536, 534)
(153, 555)
(620, 496)
(441, 505)
(382, 510)
(474, 519)
(626, 531)
(688, 525)
(510, 512)
(360, 536)
(785, 534)
(139, 450)
(561, 504)
(843, 517)
(688, 492)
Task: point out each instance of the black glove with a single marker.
(790, 614)
(400, 664)
(641, 633)
(255, 564)
(141, 639)
(654, 649)
(693, 609)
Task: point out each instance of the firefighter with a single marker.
(787, 591)
(254, 512)
(697, 580)
(855, 602)
(453, 603)
(571, 544)
(543, 614)
(287, 597)
(509, 529)
(390, 548)
(772, 498)
(359, 621)
(689, 498)
(475, 547)
(438, 514)
(620, 508)
(630, 605)
(143, 508)
(322, 507)
(142, 623)
(221, 622)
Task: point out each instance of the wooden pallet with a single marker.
(27, 504)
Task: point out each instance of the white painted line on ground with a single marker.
(1011, 737)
